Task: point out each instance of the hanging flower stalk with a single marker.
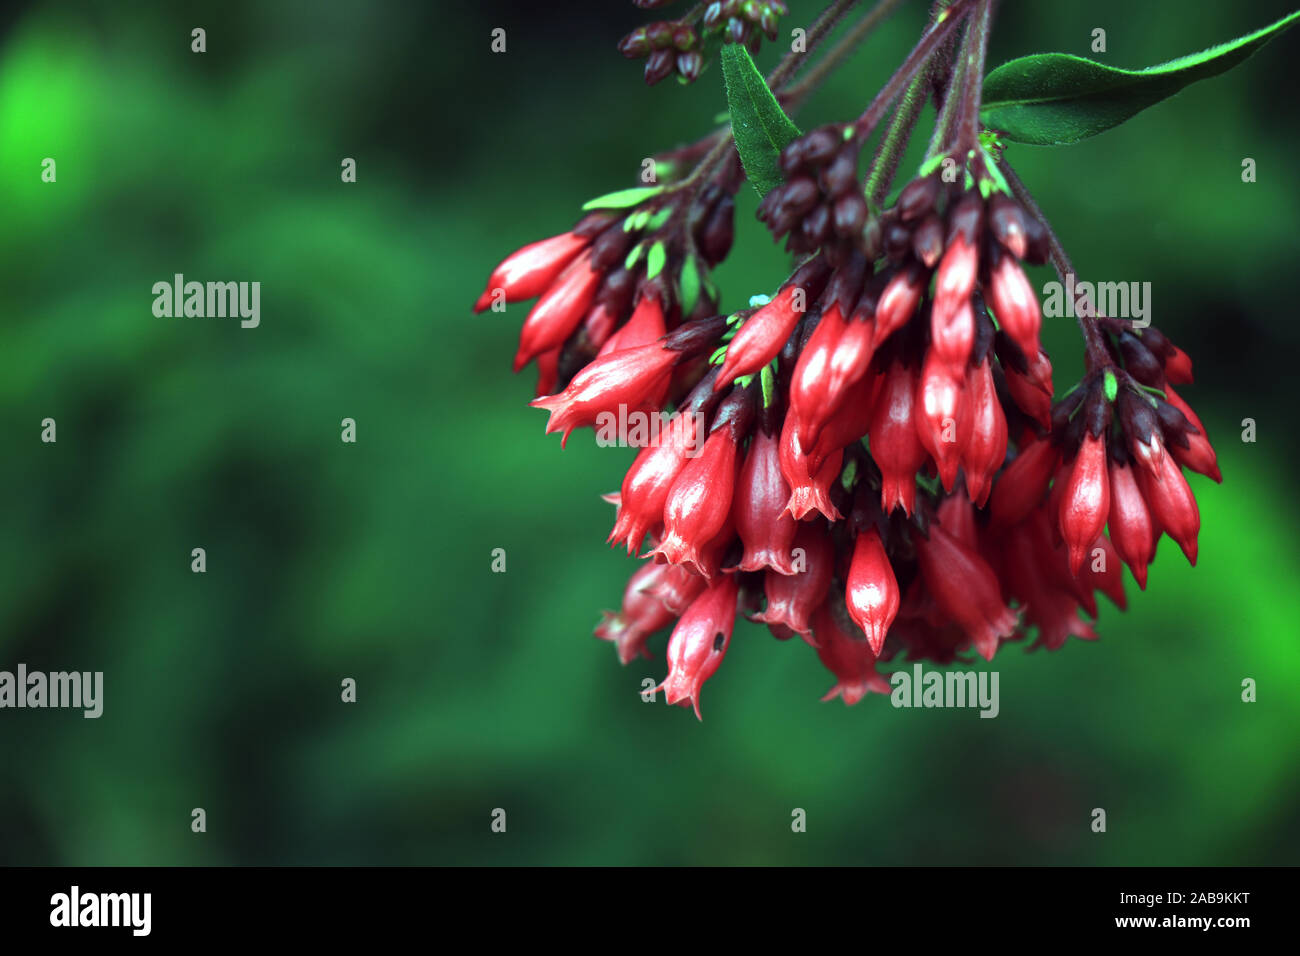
(872, 456)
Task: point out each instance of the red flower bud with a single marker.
(644, 327)
(792, 598)
(987, 448)
(1178, 367)
(897, 304)
(1032, 391)
(1015, 305)
(1085, 500)
(646, 484)
(1131, 530)
(811, 386)
(965, 588)
(761, 336)
(640, 617)
(699, 501)
(846, 656)
(548, 372)
(943, 418)
(848, 426)
(952, 333)
(558, 312)
(871, 593)
(895, 444)
(531, 270)
(678, 587)
(699, 642)
(1172, 504)
(1199, 456)
(954, 281)
(759, 509)
(632, 378)
(1104, 572)
(1021, 487)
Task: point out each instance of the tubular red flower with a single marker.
(644, 327)
(548, 372)
(699, 642)
(1131, 530)
(678, 587)
(952, 333)
(1021, 487)
(759, 509)
(792, 598)
(811, 384)
(1178, 366)
(646, 484)
(761, 335)
(530, 271)
(1172, 504)
(1085, 500)
(1032, 391)
(943, 418)
(954, 280)
(871, 592)
(1054, 610)
(558, 312)
(641, 615)
(814, 494)
(966, 589)
(1199, 456)
(1015, 305)
(698, 502)
(632, 379)
(1104, 572)
(987, 448)
(895, 444)
(897, 304)
(848, 657)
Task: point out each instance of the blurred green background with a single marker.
(372, 561)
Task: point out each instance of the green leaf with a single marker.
(758, 123)
(1111, 385)
(1055, 99)
(654, 263)
(767, 378)
(621, 199)
(690, 290)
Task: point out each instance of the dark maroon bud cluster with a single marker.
(929, 212)
(668, 47)
(740, 21)
(821, 204)
(674, 46)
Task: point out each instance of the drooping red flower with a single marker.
(529, 272)
(871, 593)
(699, 642)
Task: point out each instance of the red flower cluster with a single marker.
(868, 462)
(872, 458)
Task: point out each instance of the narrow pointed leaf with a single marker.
(758, 123)
(621, 199)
